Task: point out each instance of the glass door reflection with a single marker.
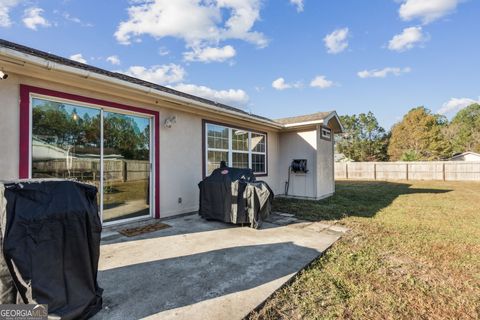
(126, 166)
(65, 141)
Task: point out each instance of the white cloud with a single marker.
(456, 104)
(299, 4)
(426, 10)
(336, 41)
(115, 60)
(236, 97)
(5, 7)
(32, 18)
(209, 54)
(67, 16)
(280, 84)
(78, 57)
(172, 75)
(198, 23)
(163, 51)
(407, 39)
(321, 82)
(160, 74)
(382, 73)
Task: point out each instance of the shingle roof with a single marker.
(78, 65)
(305, 118)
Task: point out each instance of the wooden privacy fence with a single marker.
(89, 169)
(425, 170)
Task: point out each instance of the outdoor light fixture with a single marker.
(169, 122)
(3, 75)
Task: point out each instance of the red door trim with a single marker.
(24, 163)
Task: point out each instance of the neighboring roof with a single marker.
(458, 155)
(319, 117)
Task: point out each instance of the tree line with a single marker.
(53, 124)
(420, 135)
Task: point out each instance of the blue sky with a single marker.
(274, 58)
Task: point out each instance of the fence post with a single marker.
(346, 170)
(406, 172)
(124, 171)
(374, 171)
(443, 171)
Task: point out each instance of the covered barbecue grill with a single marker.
(50, 236)
(233, 195)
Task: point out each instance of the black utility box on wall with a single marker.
(299, 166)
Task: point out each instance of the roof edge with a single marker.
(12, 50)
(327, 119)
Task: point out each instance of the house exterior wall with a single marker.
(325, 167)
(273, 179)
(298, 145)
(180, 164)
(319, 181)
(9, 128)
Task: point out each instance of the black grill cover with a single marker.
(51, 246)
(233, 195)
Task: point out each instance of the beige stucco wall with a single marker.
(180, 145)
(180, 163)
(9, 128)
(273, 178)
(298, 145)
(319, 181)
(325, 167)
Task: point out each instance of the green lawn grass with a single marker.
(413, 252)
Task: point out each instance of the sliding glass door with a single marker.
(108, 149)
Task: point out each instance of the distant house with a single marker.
(466, 156)
(46, 151)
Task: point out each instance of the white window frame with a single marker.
(230, 147)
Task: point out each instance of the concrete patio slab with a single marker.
(204, 270)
